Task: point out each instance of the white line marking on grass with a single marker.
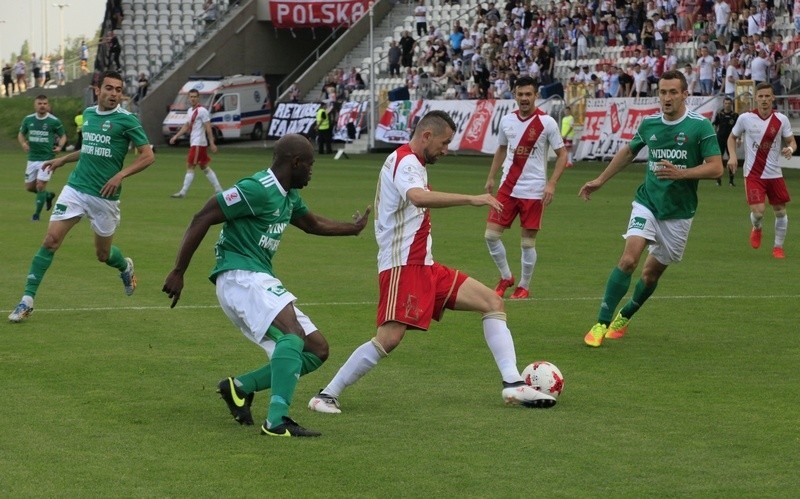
(359, 303)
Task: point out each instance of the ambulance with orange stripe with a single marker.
(240, 106)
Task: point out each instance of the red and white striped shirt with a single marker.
(527, 140)
(402, 230)
(762, 142)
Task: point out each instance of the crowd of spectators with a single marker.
(481, 55)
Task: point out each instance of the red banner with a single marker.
(316, 13)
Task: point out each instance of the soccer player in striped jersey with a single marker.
(415, 289)
(524, 137)
(683, 149)
(767, 136)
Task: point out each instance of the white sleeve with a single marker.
(786, 128)
(410, 174)
(737, 128)
(554, 134)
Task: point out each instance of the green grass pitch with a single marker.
(108, 395)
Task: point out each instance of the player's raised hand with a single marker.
(173, 285)
(360, 220)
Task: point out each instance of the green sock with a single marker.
(285, 373)
(41, 197)
(616, 287)
(116, 260)
(39, 265)
(640, 295)
(261, 378)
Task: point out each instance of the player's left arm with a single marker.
(311, 223)
(145, 158)
(62, 141)
(210, 136)
(561, 164)
(790, 145)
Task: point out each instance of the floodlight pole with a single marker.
(61, 25)
(372, 100)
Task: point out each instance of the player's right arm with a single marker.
(23, 141)
(210, 214)
(433, 199)
(618, 163)
(497, 162)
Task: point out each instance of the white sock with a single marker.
(781, 224)
(212, 177)
(187, 181)
(528, 263)
(498, 254)
(361, 361)
(756, 221)
(569, 156)
(498, 337)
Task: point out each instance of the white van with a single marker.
(239, 106)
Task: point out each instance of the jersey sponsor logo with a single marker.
(669, 153)
(637, 223)
(269, 243)
(231, 196)
(96, 137)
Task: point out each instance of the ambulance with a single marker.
(240, 106)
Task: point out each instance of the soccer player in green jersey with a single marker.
(683, 149)
(41, 135)
(255, 212)
(93, 188)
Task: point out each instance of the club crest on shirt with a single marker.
(680, 139)
(106, 126)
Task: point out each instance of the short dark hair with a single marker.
(41, 97)
(764, 86)
(114, 75)
(675, 75)
(524, 81)
(435, 121)
(193, 91)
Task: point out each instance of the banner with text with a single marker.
(316, 13)
(612, 123)
(291, 117)
(477, 121)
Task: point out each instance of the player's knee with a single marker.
(528, 242)
(492, 235)
(628, 264)
(780, 212)
(493, 303)
(317, 344)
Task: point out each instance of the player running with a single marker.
(524, 138)
(682, 150)
(763, 178)
(93, 188)
(414, 289)
(37, 136)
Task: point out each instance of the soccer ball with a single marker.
(544, 377)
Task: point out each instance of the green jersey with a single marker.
(257, 211)
(42, 135)
(106, 135)
(685, 143)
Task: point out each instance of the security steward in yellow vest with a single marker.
(324, 130)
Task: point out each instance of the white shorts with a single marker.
(34, 172)
(667, 238)
(103, 214)
(252, 300)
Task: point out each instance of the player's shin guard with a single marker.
(285, 373)
(360, 362)
(616, 287)
(498, 252)
(528, 261)
(781, 225)
(39, 265)
(498, 338)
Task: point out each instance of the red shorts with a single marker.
(529, 211)
(198, 155)
(760, 189)
(415, 294)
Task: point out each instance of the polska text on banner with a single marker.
(316, 13)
